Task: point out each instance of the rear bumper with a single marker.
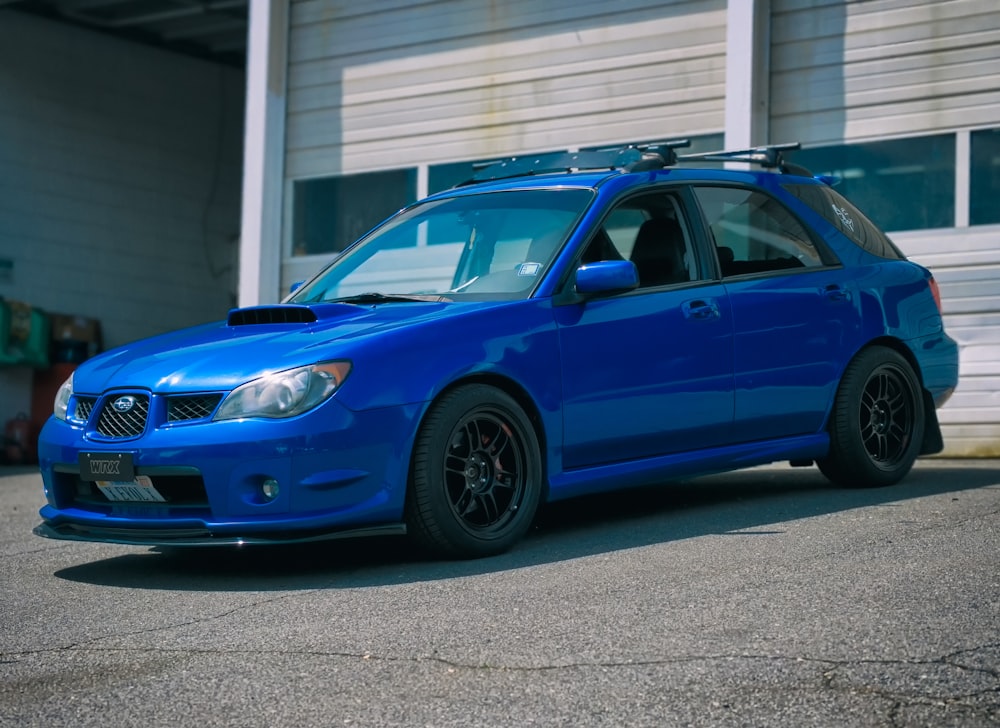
(938, 358)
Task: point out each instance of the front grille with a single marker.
(84, 406)
(115, 424)
(181, 409)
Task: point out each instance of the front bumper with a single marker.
(341, 473)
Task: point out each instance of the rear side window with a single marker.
(846, 218)
(754, 233)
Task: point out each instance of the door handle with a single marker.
(700, 310)
(835, 293)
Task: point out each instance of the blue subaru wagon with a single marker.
(559, 325)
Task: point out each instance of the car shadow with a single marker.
(753, 502)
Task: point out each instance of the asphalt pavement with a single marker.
(759, 598)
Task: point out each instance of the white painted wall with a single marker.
(119, 182)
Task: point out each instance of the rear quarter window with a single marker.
(848, 219)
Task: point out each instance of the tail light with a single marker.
(936, 292)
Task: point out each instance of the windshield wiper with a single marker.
(375, 297)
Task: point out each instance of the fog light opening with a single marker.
(269, 489)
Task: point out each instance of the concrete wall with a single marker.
(119, 183)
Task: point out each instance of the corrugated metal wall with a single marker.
(389, 83)
(850, 70)
(966, 264)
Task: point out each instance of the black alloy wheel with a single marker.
(475, 479)
(877, 423)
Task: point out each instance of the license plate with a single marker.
(138, 490)
(139, 510)
(106, 466)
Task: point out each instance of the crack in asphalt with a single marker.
(827, 677)
(88, 644)
(965, 702)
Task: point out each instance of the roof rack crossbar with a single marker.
(769, 156)
(655, 154)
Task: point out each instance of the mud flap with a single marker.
(932, 442)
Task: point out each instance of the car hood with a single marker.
(250, 343)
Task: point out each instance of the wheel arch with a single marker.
(897, 345)
(932, 441)
(523, 399)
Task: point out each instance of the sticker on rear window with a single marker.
(844, 217)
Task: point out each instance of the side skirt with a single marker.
(614, 476)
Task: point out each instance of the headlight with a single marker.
(285, 394)
(62, 398)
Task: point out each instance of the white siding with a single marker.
(966, 265)
(119, 182)
(390, 84)
(853, 70)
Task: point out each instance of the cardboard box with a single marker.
(74, 338)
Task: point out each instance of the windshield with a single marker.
(488, 246)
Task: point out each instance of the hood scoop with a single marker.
(283, 314)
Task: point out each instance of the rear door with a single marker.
(796, 312)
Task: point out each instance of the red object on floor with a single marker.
(20, 443)
(45, 385)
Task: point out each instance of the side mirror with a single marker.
(296, 286)
(606, 276)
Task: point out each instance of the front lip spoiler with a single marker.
(201, 537)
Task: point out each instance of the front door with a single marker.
(647, 372)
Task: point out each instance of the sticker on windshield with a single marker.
(529, 269)
(844, 217)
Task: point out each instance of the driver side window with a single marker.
(650, 231)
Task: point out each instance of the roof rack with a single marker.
(630, 158)
(653, 155)
(639, 157)
(769, 157)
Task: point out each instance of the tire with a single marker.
(475, 476)
(877, 423)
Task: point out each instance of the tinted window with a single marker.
(904, 184)
(846, 218)
(754, 233)
(331, 213)
(445, 176)
(984, 188)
